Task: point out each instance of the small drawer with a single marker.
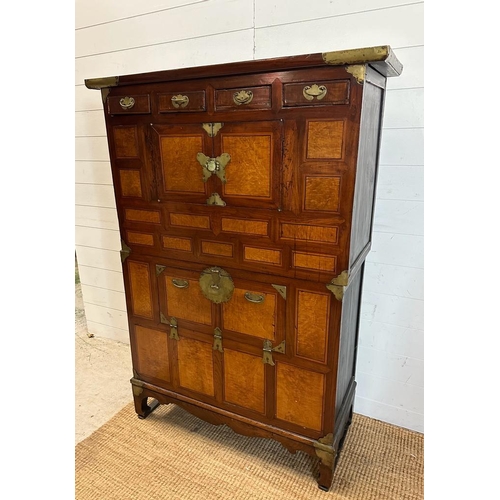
(175, 102)
(316, 93)
(129, 105)
(243, 98)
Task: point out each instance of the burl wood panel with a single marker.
(196, 368)
(266, 255)
(314, 261)
(257, 320)
(299, 396)
(245, 226)
(152, 353)
(187, 303)
(214, 248)
(176, 243)
(244, 382)
(337, 92)
(130, 182)
(312, 325)
(249, 171)
(185, 220)
(126, 142)
(261, 98)
(140, 238)
(322, 193)
(140, 288)
(142, 216)
(181, 170)
(326, 234)
(325, 139)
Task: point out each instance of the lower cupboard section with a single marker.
(235, 379)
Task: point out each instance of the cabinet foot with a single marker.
(325, 477)
(142, 408)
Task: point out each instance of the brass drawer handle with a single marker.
(127, 102)
(180, 283)
(312, 91)
(180, 101)
(255, 298)
(243, 97)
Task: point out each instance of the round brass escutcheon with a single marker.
(212, 165)
(216, 284)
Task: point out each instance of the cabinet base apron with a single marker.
(327, 448)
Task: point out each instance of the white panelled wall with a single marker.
(119, 37)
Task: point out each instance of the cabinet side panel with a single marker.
(348, 338)
(366, 172)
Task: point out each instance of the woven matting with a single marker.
(176, 456)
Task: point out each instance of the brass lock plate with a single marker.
(215, 166)
(216, 284)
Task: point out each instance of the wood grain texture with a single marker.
(249, 172)
(337, 92)
(177, 243)
(257, 320)
(261, 99)
(126, 142)
(130, 182)
(314, 261)
(187, 303)
(140, 288)
(245, 226)
(217, 248)
(196, 102)
(149, 216)
(140, 238)
(185, 220)
(325, 234)
(141, 106)
(264, 255)
(181, 170)
(312, 325)
(325, 139)
(244, 381)
(299, 396)
(152, 353)
(196, 367)
(322, 193)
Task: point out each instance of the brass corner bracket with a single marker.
(125, 251)
(137, 386)
(324, 450)
(101, 83)
(358, 71)
(338, 285)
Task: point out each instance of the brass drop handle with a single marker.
(127, 102)
(180, 101)
(243, 97)
(255, 298)
(312, 91)
(180, 283)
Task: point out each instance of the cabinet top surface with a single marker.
(381, 58)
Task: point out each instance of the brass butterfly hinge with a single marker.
(160, 269)
(267, 357)
(125, 251)
(324, 450)
(172, 324)
(212, 129)
(358, 71)
(338, 285)
(281, 289)
(215, 166)
(218, 340)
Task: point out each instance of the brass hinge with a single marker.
(218, 340)
(172, 324)
(267, 357)
(160, 269)
(281, 289)
(125, 251)
(212, 129)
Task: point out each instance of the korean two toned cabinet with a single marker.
(245, 196)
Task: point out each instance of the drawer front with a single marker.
(130, 104)
(181, 102)
(243, 98)
(316, 93)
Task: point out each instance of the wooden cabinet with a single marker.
(245, 197)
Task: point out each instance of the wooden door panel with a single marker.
(252, 310)
(252, 174)
(244, 380)
(299, 396)
(141, 294)
(195, 365)
(152, 354)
